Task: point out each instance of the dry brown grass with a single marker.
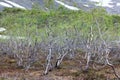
(69, 70)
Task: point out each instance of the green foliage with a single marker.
(28, 21)
(12, 11)
(49, 4)
(116, 18)
(36, 6)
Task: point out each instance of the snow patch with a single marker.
(67, 6)
(5, 4)
(2, 29)
(118, 4)
(86, 5)
(9, 37)
(104, 3)
(15, 4)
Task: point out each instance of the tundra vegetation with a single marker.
(52, 36)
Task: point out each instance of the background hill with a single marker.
(112, 6)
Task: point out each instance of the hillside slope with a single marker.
(112, 6)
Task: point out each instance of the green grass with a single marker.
(27, 22)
